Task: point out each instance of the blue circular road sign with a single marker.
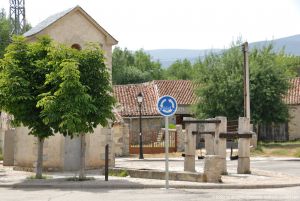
(166, 105)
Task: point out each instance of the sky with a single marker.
(180, 24)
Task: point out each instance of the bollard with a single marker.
(106, 162)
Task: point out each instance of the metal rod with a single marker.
(167, 150)
(106, 162)
(141, 137)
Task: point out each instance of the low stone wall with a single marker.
(62, 153)
(160, 174)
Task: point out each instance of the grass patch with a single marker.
(283, 149)
(43, 177)
(280, 152)
(77, 179)
(121, 173)
(297, 153)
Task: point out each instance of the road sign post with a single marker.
(167, 106)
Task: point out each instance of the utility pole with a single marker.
(17, 16)
(246, 81)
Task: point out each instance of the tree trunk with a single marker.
(39, 163)
(82, 157)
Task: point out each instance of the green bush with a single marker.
(121, 173)
(172, 126)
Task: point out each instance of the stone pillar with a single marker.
(244, 147)
(213, 168)
(209, 139)
(180, 138)
(220, 143)
(190, 148)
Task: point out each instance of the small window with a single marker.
(76, 46)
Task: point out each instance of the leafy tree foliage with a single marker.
(220, 79)
(80, 96)
(5, 30)
(52, 88)
(180, 70)
(134, 67)
(22, 76)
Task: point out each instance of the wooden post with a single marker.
(246, 81)
(244, 147)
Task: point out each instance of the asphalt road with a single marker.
(283, 165)
(282, 194)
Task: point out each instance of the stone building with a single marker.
(293, 101)
(73, 27)
(152, 121)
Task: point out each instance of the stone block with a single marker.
(244, 166)
(213, 168)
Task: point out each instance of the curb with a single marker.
(145, 186)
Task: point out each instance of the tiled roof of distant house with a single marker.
(181, 90)
(126, 97)
(293, 96)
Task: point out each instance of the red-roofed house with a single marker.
(181, 90)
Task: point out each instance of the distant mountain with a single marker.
(169, 56)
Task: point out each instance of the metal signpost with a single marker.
(167, 106)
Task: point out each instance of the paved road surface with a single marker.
(290, 166)
(282, 194)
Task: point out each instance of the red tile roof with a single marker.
(126, 96)
(181, 90)
(293, 96)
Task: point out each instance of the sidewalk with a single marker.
(258, 179)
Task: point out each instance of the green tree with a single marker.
(80, 95)
(5, 30)
(180, 70)
(134, 67)
(22, 75)
(220, 79)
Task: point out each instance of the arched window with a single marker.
(76, 46)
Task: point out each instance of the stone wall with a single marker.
(152, 124)
(294, 124)
(121, 139)
(62, 153)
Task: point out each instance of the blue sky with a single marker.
(180, 24)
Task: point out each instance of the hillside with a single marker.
(291, 45)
